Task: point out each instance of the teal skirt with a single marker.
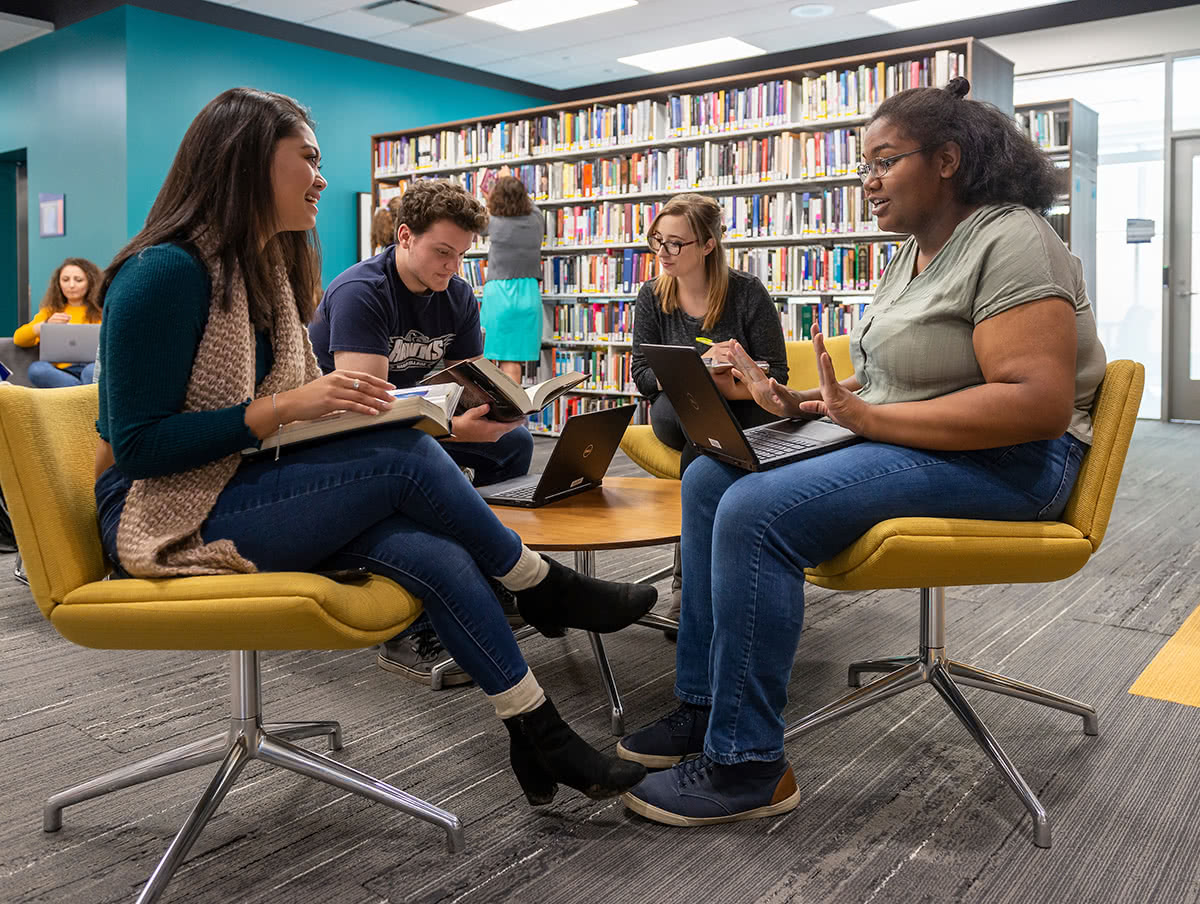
(511, 316)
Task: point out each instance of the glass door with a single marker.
(1183, 400)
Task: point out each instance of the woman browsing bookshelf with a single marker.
(511, 311)
(230, 240)
(975, 369)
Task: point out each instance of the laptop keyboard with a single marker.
(522, 494)
(768, 444)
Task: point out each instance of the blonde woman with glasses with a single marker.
(698, 300)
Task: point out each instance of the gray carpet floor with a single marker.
(899, 805)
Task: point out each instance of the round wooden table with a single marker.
(624, 513)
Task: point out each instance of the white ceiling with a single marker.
(16, 30)
(584, 51)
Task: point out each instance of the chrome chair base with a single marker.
(932, 667)
(247, 738)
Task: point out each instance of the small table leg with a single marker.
(585, 563)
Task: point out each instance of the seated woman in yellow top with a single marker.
(73, 296)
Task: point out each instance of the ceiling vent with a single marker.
(406, 12)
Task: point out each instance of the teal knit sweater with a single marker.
(155, 313)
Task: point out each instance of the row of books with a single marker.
(598, 125)
(608, 370)
(618, 272)
(553, 417)
(832, 95)
(791, 214)
(1046, 128)
(591, 321)
(713, 164)
(842, 268)
(834, 319)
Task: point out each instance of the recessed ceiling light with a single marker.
(919, 13)
(812, 10)
(522, 15)
(689, 55)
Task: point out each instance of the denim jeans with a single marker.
(748, 536)
(507, 457)
(389, 499)
(45, 375)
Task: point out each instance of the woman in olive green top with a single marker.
(974, 371)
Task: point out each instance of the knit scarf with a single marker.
(159, 532)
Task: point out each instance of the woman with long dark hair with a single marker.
(230, 245)
(72, 296)
(975, 369)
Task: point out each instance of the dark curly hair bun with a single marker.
(957, 87)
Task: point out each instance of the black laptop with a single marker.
(710, 424)
(577, 463)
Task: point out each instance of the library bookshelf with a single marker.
(777, 148)
(1070, 132)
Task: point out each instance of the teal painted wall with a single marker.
(8, 248)
(62, 97)
(175, 66)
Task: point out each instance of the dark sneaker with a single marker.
(676, 736)
(700, 792)
(508, 602)
(415, 655)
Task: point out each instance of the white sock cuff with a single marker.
(524, 696)
(529, 571)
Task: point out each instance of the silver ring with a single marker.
(354, 385)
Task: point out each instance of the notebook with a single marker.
(72, 343)
(578, 462)
(710, 424)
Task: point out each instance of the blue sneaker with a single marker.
(700, 792)
(664, 742)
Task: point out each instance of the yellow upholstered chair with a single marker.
(46, 471)
(653, 456)
(935, 553)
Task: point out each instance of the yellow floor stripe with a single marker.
(1174, 674)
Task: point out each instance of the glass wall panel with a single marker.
(1129, 185)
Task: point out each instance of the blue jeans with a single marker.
(748, 536)
(389, 499)
(45, 375)
(507, 457)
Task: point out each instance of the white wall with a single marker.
(1106, 41)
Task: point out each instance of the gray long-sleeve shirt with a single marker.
(750, 317)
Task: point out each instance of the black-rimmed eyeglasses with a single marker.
(656, 243)
(878, 168)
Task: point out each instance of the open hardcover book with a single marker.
(483, 383)
(427, 408)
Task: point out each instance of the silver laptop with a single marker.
(577, 463)
(73, 343)
(710, 425)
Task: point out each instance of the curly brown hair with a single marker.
(509, 198)
(431, 200)
(998, 165)
(54, 301)
(383, 224)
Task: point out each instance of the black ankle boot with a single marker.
(567, 599)
(537, 784)
(544, 750)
